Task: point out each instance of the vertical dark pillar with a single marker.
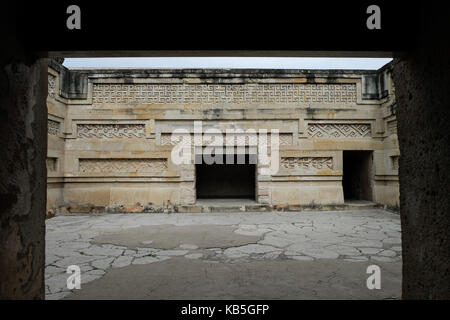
(422, 80)
(23, 148)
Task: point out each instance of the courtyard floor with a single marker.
(267, 255)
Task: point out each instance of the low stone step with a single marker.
(219, 206)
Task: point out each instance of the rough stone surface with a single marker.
(204, 235)
(268, 279)
(323, 238)
(423, 100)
(23, 148)
(194, 256)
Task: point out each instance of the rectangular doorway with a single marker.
(226, 181)
(357, 176)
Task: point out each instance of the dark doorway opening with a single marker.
(226, 181)
(357, 178)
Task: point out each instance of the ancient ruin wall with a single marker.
(109, 132)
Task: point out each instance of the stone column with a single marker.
(422, 82)
(23, 149)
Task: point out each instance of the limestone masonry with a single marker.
(110, 146)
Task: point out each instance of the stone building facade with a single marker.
(110, 137)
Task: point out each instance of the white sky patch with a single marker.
(227, 63)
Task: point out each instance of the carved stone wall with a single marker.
(284, 139)
(105, 131)
(114, 138)
(223, 93)
(307, 163)
(53, 127)
(122, 165)
(334, 130)
(51, 86)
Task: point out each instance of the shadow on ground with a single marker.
(180, 278)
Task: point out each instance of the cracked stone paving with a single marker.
(267, 255)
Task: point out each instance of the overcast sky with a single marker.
(229, 63)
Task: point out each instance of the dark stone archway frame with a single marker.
(421, 78)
